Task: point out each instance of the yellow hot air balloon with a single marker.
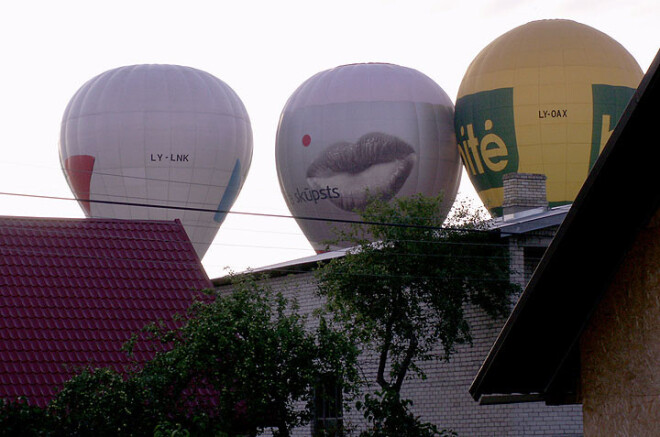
(542, 98)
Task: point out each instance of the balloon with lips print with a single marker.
(169, 136)
(374, 128)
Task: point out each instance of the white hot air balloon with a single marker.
(162, 135)
(377, 128)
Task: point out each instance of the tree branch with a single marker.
(387, 342)
(412, 348)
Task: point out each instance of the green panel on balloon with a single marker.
(486, 136)
(609, 103)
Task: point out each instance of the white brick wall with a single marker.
(443, 397)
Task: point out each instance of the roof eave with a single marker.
(624, 171)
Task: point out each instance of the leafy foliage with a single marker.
(249, 361)
(234, 366)
(405, 295)
(102, 402)
(18, 417)
(252, 353)
(390, 416)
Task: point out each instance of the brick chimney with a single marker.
(524, 192)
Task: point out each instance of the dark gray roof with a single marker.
(298, 265)
(532, 220)
(519, 223)
(536, 350)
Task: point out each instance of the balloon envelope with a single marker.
(542, 98)
(379, 128)
(161, 135)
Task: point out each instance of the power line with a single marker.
(293, 270)
(200, 209)
(268, 216)
(65, 233)
(148, 179)
(33, 231)
(254, 214)
(71, 233)
(194, 265)
(145, 205)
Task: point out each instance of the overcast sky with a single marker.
(264, 50)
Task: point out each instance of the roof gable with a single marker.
(72, 291)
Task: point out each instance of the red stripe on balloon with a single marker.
(79, 169)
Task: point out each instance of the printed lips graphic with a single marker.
(377, 163)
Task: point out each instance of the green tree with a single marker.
(102, 402)
(405, 295)
(235, 365)
(18, 417)
(253, 356)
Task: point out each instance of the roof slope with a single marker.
(536, 350)
(72, 291)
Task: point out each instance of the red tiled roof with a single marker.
(72, 291)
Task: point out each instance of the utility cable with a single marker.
(254, 214)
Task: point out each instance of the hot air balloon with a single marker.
(377, 128)
(542, 98)
(160, 135)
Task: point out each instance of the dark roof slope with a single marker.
(536, 350)
(72, 291)
(506, 226)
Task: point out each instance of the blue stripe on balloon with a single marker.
(231, 192)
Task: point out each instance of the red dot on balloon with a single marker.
(307, 140)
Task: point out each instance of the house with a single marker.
(527, 229)
(587, 327)
(73, 291)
